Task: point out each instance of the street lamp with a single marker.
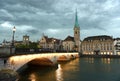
(54, 46)
(14, 29)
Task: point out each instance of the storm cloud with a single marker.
(55, 18)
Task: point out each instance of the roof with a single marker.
(76, 20)
(18, 41)
(26, 35)
(50, 40)
(69, 38)
(98, 37)
(117, 39)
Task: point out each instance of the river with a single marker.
(80, 69)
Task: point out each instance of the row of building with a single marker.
(93, 45)
(99, 45)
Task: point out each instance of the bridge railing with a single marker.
(37, 50)
(20, 51)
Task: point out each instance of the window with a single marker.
(107, 46)
(76, 32)
(104, 47)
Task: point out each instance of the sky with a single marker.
(56, 18)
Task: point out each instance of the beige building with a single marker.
(68, 44)
(50, 43)
(73, 43)
(117, 46)
(99, 45)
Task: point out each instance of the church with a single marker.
(69, 44)
(73, 43)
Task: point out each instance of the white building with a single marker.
(98, 45)
(117, 46)
(68, 44)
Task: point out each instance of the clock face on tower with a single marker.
(26, 39)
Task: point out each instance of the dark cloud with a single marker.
(33, 31)
(35, 17)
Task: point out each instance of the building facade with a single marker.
(117, 46)
(68, 44)
(50, 43)
(98, 45)
(73, 43)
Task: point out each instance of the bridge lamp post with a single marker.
(54, 46)
(14, 29)
(12, 44)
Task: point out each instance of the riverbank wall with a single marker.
(101, 56)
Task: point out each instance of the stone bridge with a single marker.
(44, 59)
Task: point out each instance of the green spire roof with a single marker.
(76, 20)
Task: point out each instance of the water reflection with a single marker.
(67, 68)
(71, 65)
(106, 60)
(59, 73)
(38, 73)
(32, 77)
(83, 69)
(90, 60)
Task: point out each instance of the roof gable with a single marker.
(69, 38)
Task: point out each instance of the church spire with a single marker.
(76, 20)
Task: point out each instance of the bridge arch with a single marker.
(41, 62)
(63, 58)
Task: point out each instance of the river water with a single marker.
(80, 69)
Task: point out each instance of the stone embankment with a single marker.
(8, 75)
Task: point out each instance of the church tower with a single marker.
(26, 39)
(77, 33)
